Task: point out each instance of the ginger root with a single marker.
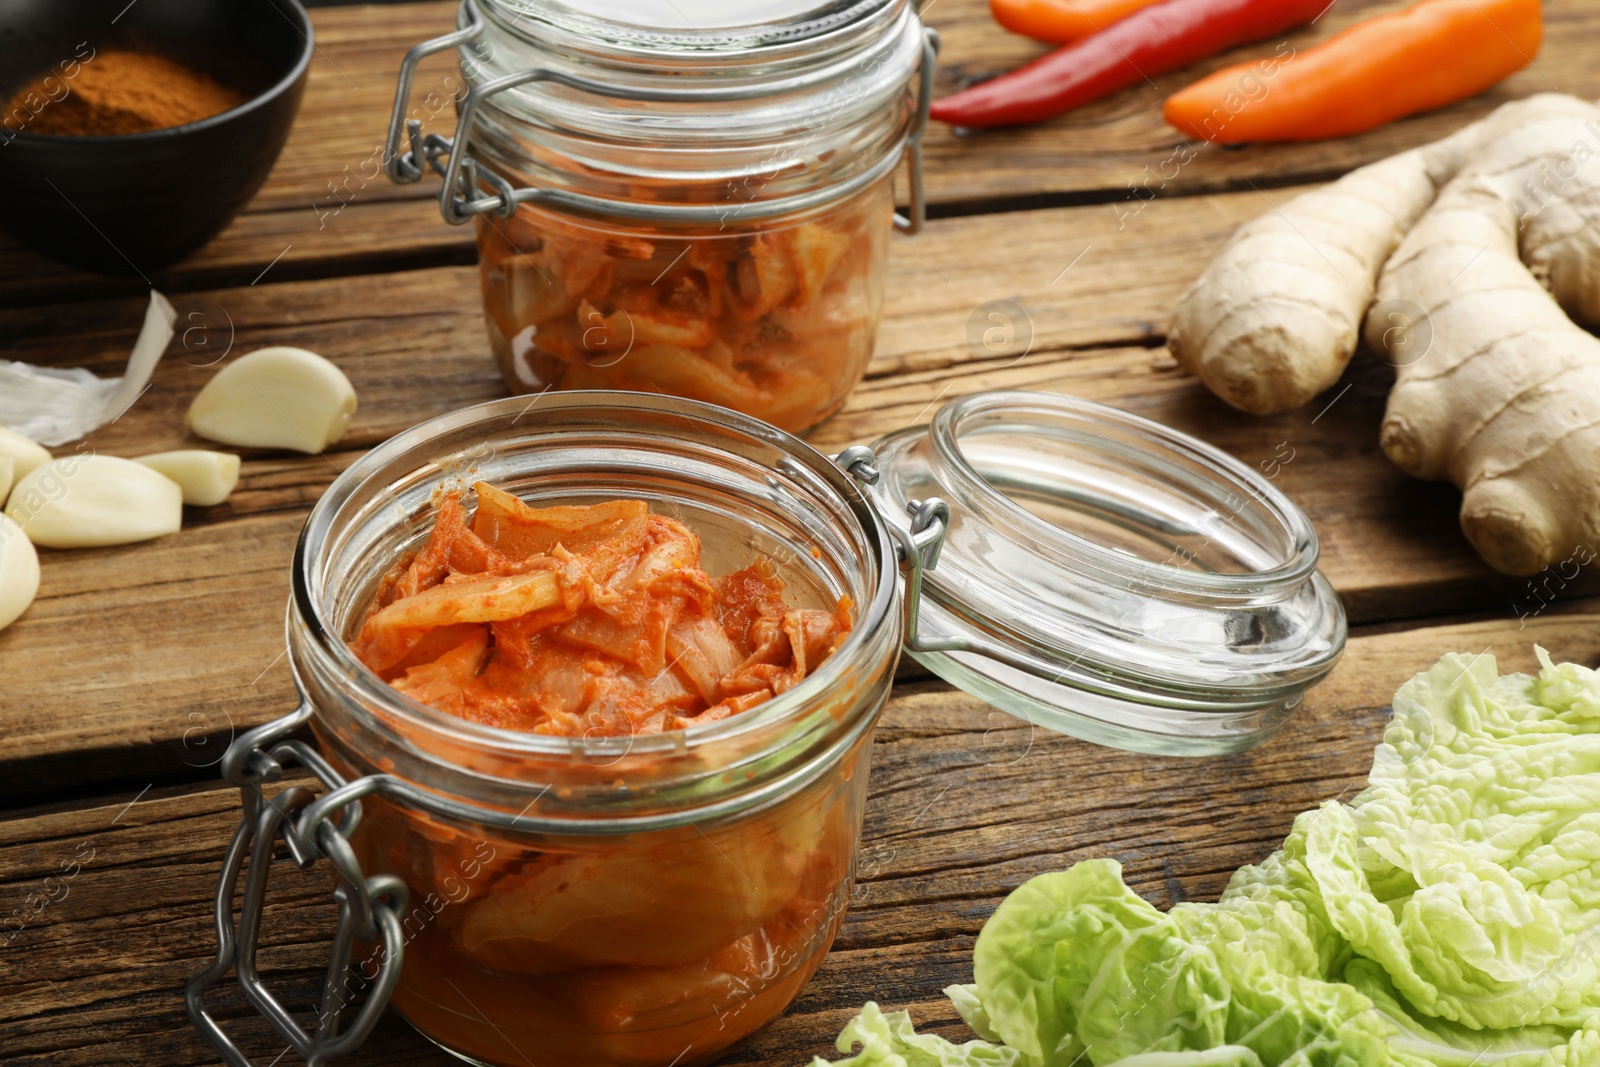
(1497, 389)
(1500, 390)
(1274, 318)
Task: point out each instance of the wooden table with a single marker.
(126, 679)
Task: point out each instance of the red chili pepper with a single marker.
(1062, 21)
(1149, 42)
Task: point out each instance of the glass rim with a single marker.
(790, 38)
(751, 105)
(1034, 617)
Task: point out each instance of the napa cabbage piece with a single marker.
(889, 1040)
(1447, 916)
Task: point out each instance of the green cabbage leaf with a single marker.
(1447, 916)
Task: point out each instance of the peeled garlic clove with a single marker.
(275, 398)
(25, 454)
(19, 572)
(206, 478)
(8, 469)
(84, 501)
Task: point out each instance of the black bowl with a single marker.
(133, 203)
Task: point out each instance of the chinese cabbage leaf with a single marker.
(1448, 915)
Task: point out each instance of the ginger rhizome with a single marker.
(1468, 259)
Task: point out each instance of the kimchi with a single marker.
(653, 944)
(588, 621)
(777, 322)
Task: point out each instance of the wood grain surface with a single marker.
(966, 803)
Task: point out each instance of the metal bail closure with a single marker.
(917, 545)
(464, 178)
(919, 203)
(369, 908)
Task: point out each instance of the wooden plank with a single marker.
(326, 210)
(965, 804)
(177, 643)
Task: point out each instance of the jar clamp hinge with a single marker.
(369, 908)
(917, 548)
(463, 177)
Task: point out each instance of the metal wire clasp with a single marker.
(369, 908)
(917, 547)
(459, 199)
(919, 201)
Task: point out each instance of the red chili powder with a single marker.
(116, 92)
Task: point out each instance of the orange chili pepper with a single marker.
(1062, 21)
(1433, 53)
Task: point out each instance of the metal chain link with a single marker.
(313, 829)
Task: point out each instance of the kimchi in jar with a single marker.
(635, 673)
(775, 322)
(681, 197)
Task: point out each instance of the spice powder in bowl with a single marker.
(121, 91)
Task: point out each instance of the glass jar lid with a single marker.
(1107, 577)
(698, 25)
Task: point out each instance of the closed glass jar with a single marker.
(611, 900)
(688, 198)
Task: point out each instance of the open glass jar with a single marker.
(681, 197)
(652, 900)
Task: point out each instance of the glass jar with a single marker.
(652, 900)
(595, 900)
(680, 197)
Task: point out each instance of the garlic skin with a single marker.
(19, 572)
(275, 398)
(8, 469)
(89, 501)
(206, 478)
(24, 453)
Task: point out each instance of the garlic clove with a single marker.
(275, 398)
(25, 454)
(84, 501)
(19, 572)
(206, 478)
(8, 470)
